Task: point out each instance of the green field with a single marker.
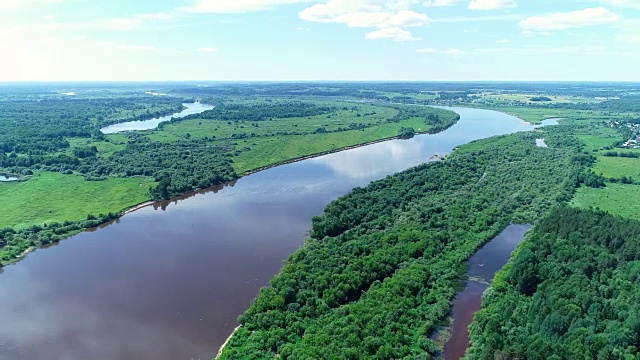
(52, 196)
(261, 152)
(197, 128)
(260, 148)
(617, 167)
(56, 197)
(526, 98)
(618, 199)
(537, 115)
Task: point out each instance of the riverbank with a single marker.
(452, 202)
(142, 186)
(226, 342)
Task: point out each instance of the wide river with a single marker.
(168, 281)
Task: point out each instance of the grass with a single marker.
(198, 128)
(536, 115)
(259, 152)
(525, 98)
(618, 199)
(116, 142)
(617, 167)
(56, 197)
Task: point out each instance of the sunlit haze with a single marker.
(143, 40)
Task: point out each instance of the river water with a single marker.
(483, 266)
(190, 109)
(5, 178)
(168, 281)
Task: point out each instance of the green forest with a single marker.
(382, 266)
(571, 291)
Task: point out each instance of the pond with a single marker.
(190, 109)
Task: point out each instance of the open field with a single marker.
(537, 115)
(252, 144)
(261, 152)
(618, 199)
(197, 128)
(56, 197)
(617, 167)
(526, 98)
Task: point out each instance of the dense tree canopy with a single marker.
(379, 273)
(570, 292)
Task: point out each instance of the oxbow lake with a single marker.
(190, 109)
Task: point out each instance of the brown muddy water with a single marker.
(483, 266)
(168, 281)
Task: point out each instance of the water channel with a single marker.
(483, 266)
(190, 109)
(168, 281)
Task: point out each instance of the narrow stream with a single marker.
(483, 266)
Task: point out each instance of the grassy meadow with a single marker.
(56, 197)
(618, 199)
(617, 167)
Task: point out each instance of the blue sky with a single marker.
(115, 40)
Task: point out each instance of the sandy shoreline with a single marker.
(226, 342)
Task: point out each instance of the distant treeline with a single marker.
(571, 292)
(262, 111)
(42, 127)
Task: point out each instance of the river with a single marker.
(483, 266)
(190, 109)
(168, 281)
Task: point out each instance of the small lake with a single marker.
(483, 266)
(190, 109)
(552, 121)
(7, 178)
(169, 281)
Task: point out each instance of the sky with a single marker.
(364, 40)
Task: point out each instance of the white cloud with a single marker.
(427, 51)
(632, 4)
(628, 38)
(237, 6)
(441, 3)
(135, 47)
(451, 52)
(22, 4)
(491, 4)
(569, 20)
(156, 16)
(390, 16)
(463, 19)
(394, 33)
(208, 49)
(503, 41)
(112, 24)
(121, 46)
